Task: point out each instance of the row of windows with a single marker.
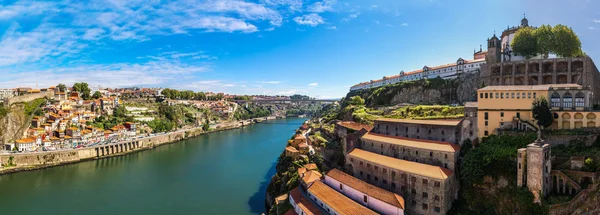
(403, 176)
(567, 102)
(426, 207)
(512, 95)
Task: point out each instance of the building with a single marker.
(439, 130)
(509, 107)
(427, 189)
(469, 124)
(534, 168)
(6, 93)
(301, 204)
(446, 71)
(370, 196)
(431, 152)
(333, 202)
(350, 133)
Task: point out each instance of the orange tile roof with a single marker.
(337, 201)
(311, 176)
(354, 125)
(311, 166)
(402, 165)
(364, 187)
(27, 140)
(300, 137)
(291, 149)
(413, 143)
(421, 122)
(301, 171)
(304, 204)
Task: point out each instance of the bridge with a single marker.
(287, 101)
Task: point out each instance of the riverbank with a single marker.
(20, 162)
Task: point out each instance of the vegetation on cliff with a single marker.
(490, 170)
(560, 40)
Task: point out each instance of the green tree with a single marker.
(541, 112)
(525, 43)
(84, 89)
(356, 100)
(545, 40)
(62, 87)
(567, 43)
(97, 95)
(206, 126)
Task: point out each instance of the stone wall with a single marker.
(29, 97)
(555, 140)
(586, 202)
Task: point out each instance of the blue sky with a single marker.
(317, 48)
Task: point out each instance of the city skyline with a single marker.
(316, 48)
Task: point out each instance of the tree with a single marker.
(82, 88)
(545, 40)
(97, 95)
(541, 112)
(62, 87)
(206, 126)
(567, 43)
(357, 100)
(525, 43)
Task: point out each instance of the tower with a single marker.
(494, 46)
(536, 160)
(524, 21)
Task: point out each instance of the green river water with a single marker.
(220, 173)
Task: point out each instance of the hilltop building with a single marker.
(509, 107)
(446, 71)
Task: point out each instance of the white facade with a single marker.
(6, 93)
(448, 71)
(360, 197)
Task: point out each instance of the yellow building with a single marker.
(509, 107)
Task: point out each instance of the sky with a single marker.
(267, 47)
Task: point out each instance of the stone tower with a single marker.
(494, 46)
(536, 160)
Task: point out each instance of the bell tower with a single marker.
(494, 46)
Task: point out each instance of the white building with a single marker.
(370, 196)
(6, 93)
(506, 39)
(447, 71)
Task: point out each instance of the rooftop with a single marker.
(354, 126)
(529, 87)
(413, 143)
(470, 104)
(421, 122)
(364, 187)
(403, 165)
(306, 205)
(291, 149)
(337, 201)
(311, 176)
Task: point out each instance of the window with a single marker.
(579, 102)
(351, 159)
(437, 209)
(512, 95)
(384, 182)
(431, 153)
(534, 95)
(361, 173)
(414, 203)
(437, 184)
(413, 191)
(376, 167)
(365, 198)
(501, 114)
(446, 156)
(485, 133)
(341, 186)
(417, 152)
(529, 95)
(523, 95)
(486, 95)
(425, 206)
(384, 170)
(518, 95)
(369, 166)
(393, 186)
(376, 179)
(413, 179)
(485, 115)
(501, 95)
(446, 165)
(518, 115)
(360, 163)
(368, 177)
(436, 198)
(496, 95)
(486, 123)
(425, 195)
(519, 166)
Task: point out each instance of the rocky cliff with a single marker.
(432, 91)
(14, 124)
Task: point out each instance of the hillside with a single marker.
(426, 92)
(15, 120)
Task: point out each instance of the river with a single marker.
(220, 173)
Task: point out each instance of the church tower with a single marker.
(534, 168)
(494, 46)
(524, 21)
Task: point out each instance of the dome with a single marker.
(524, 21)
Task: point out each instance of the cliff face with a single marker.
(433, 91)
(14, 124)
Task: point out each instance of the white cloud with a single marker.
(313, 84)
(270, 82)
(332, 28)
(351, 17)
(38, 44)
(312, 19)
(322, 6)
(93, 34)
(24, 8)
(294, 5)
(591, 28)
(270, 29)
(404, 24)
(248, 10)
(596, 20)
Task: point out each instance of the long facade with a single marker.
(427, 189)
(438, 130)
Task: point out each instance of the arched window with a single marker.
(555, 100)
(579, 100)
(567, 100)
